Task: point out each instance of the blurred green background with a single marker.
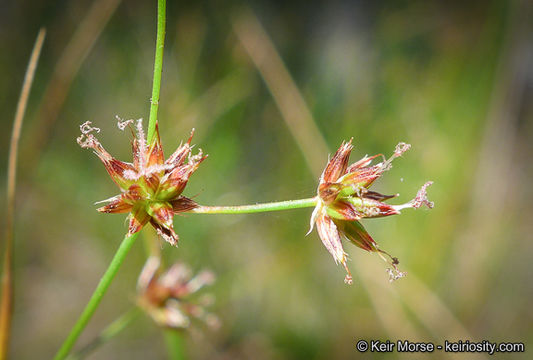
(454, 79)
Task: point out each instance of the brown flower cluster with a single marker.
(168, 297)
(151, 186)
(344, 198)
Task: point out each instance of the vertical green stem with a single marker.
(174, 341)
(128, 241)
(97, 296)
(158, 68)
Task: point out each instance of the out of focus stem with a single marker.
(256, 208)
(97, 296)
(107, 334)
(6, 297)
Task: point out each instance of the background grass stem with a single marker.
(6, 305)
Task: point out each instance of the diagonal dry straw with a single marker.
(288, 98)
(6, 305)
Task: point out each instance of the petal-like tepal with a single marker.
(361, 178)
(117, 169)
(370, 208)
(117, 205)
(343, 210)
(155, 150)
(329, 234)
(356, 233)
(182, 204)
(181, 153)
(173, 183)
(162, 215)
(337, 165)
(137, 219)
(364, 162)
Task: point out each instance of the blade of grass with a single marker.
(107, 334)
(97, 296)
(6, 305)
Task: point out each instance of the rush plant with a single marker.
(151, 191)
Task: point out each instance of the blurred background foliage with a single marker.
(454, 79)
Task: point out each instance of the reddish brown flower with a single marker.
(344, 199)
(168, 297)
(151, 186)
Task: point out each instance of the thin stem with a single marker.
(128, 241)
(158, 68)
(257, 208)
(97, 296)
(174, 341)
(107, 334)
(6, 306)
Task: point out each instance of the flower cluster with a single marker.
(151, 186)
(344, 198)
(166, 296)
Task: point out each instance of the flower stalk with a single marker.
(158, 68)
(256, 208)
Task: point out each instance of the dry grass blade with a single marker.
(6, 305)
(288, 98)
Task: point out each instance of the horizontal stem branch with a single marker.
(257, 208)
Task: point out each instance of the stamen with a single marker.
(86, 139)
(400, 149)
(86, 128)
(422, 197)
(123, 123)
(394, 273)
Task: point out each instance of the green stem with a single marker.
(107, 334)
(158, 68)
(247, 209)
(97, 296)
(174, 341)
(128, 241)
